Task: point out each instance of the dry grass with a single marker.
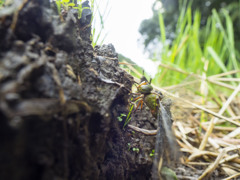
(209, 142)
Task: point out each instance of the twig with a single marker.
(235, 118)
(227, 79)
(221, 84)
(232, 134)
(225, 73)
(199, 163)
(174, 69)
(198, 153)
(125, 63)
(229, 158)
(229, 109)
(181, 85)
(232, 177)
(144, 131)
(232, 148)
(133, 69)
(15, 16)
(213, 166)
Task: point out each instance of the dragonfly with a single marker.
(153, 100)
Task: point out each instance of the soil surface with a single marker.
(60, 100)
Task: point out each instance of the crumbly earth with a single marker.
(60, 100)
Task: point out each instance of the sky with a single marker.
(121, 26)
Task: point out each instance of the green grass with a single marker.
(2, 3)
(209, 50)
(98, 35)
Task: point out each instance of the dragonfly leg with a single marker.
(139, 103)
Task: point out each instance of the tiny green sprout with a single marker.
(135, 149)
(120, 117)
(152, 153)
(80, 8)
(65, 4)
(129, 146)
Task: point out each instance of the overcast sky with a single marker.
(122, 24)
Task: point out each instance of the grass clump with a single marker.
(2, 3)
(208, 50)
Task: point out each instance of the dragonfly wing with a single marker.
(158, 155)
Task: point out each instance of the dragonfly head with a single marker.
(144, 88)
